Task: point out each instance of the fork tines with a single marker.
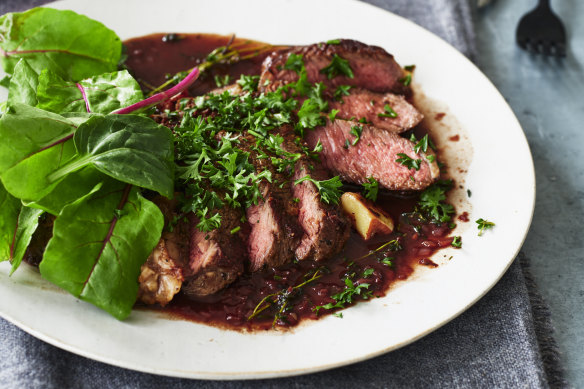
(557, 49)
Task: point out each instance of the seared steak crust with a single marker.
(373, 68)
(374, 155)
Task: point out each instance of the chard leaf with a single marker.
(73, 187)
(17, 224)
(72, 45)
(9, 210)
(130, 148)
(34, 144)
(28, 221)
(99, 244)
(23, 85)
(102, 94)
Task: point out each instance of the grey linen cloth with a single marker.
(503, 341)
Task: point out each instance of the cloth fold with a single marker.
(502, 341)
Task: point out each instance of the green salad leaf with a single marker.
(72, 45)
(17, 224)
(99, 244)
(9, 210)
(101, 94)
(28, 221)
(74, 186)
(23, 85)
(34, 144)
(130, 148)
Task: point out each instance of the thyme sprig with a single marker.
(281, 298)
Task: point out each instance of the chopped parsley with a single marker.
(457, 242)
(222, 81)
(333, 42)
(368, 272)
(388, 112)
(387, 261)
(433, 202)
(371, 189)
(328, 189)
(294, 62)
(408, 161)
(342, 90)
(347, 295)
(337, 67)
(483, 225)
(356, 131)
(422, 145)
(248, 83)
(406, 80)
(333, 114)
(410, 68)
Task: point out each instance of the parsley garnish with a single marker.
(484, 225)
(342, 90)
(457, 242)
(309, 115)
(248, 83)
(338, 66)
(333, 114)
(410, 68)
(235, 230)
(371, 188)
(346, 296)
(328, 189)
(387, 261)
(368, 272)
(333, 42)
(408, 161)
(388, 112)
(222, 81)
(294, 62)
(407, 80)
(433, 202)
(422, 145)
(356, 131)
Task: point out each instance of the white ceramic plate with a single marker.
(500, 176)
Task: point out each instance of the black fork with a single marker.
(542, 32)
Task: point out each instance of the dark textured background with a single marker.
(502, 341)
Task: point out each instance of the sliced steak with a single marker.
(361, 103)
(373, 68)
(326, 228)
(217, 257)
(274, 228)
(374, 155)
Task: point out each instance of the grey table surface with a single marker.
(547, 96)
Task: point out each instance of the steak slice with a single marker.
(373, 68)
(326, 228)
(217, 257)
(361, 103)
(374, 155)
(274, 228)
